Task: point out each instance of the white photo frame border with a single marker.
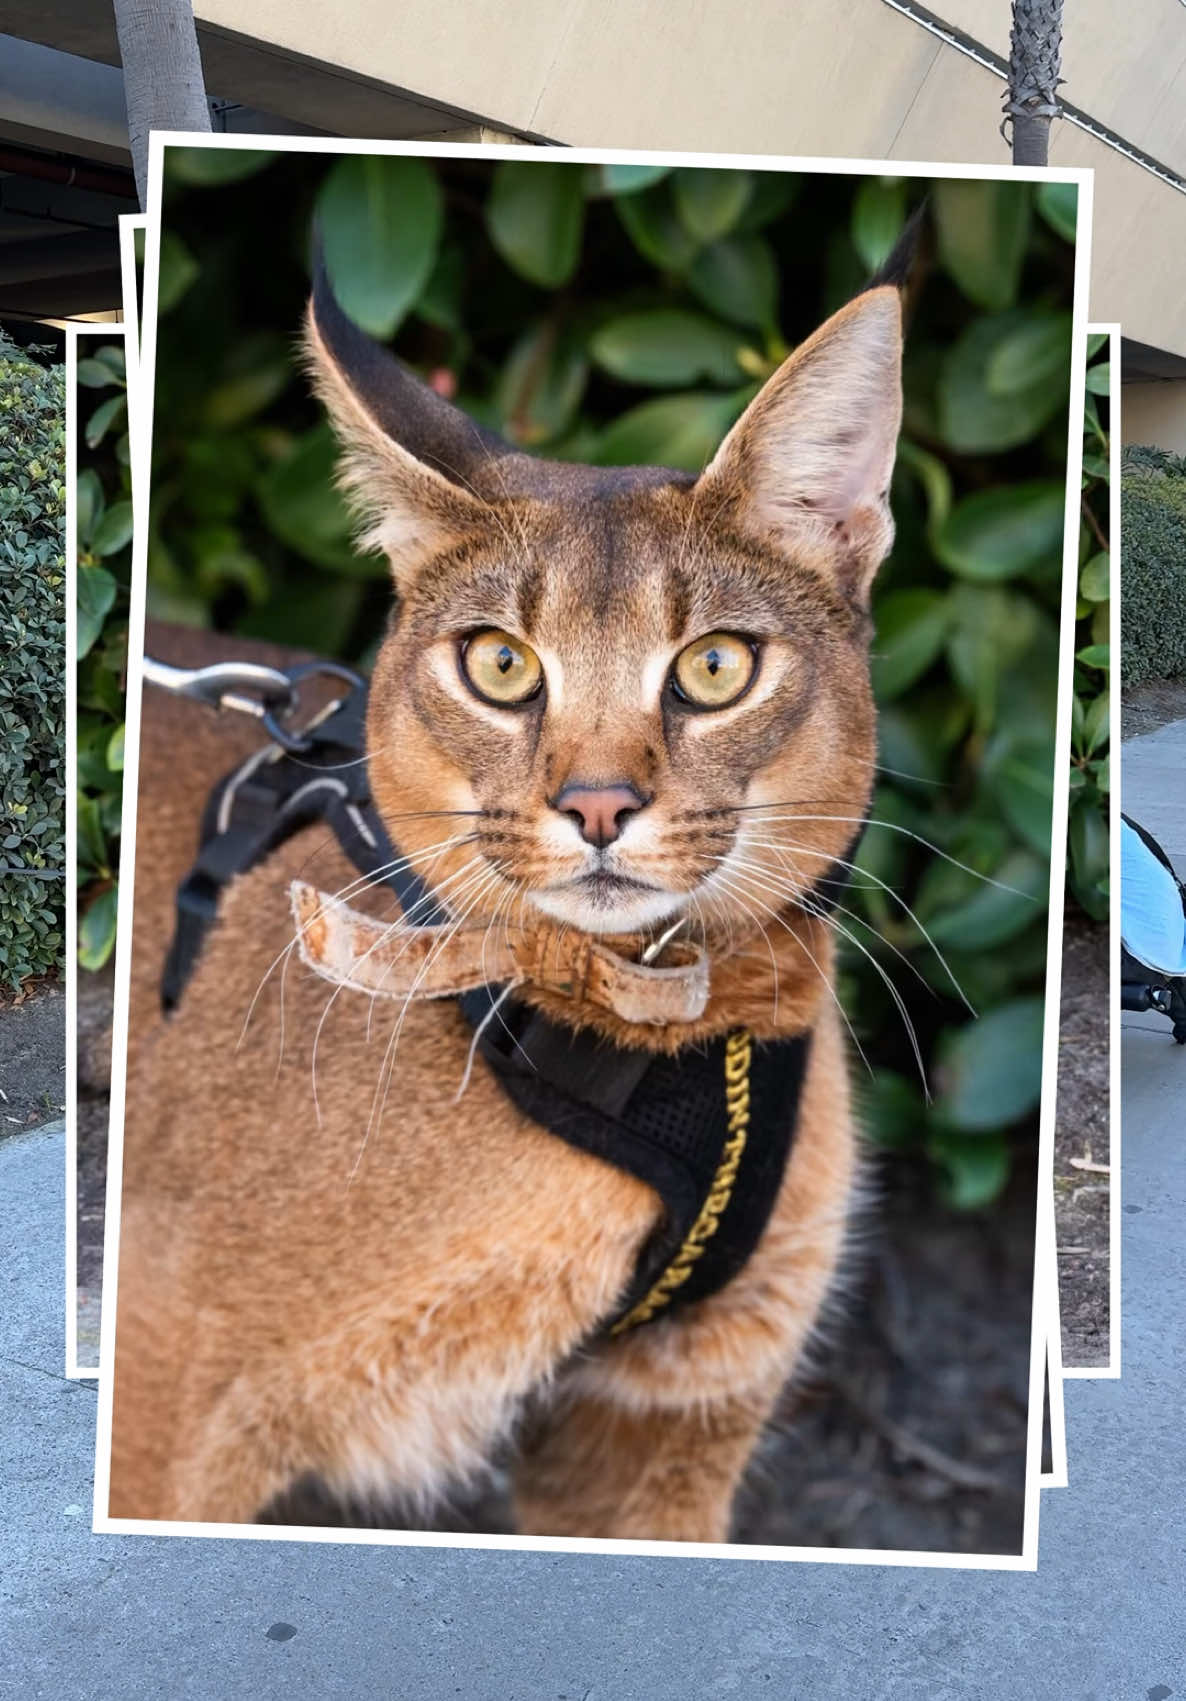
(1111, 1369)
(1026, 1558)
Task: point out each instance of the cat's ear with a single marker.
(807, 466)
(411, 463)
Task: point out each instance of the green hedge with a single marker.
(627, 313)
(104, 529)
(32, 647)
(1153, 525)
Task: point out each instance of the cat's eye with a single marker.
(500, 668)
(715, 670)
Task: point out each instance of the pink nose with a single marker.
(599, 811)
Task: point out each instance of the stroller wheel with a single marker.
(1180, 1032)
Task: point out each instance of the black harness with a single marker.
(709, 1129)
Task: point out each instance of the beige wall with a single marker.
(1155, 413)
(837, 77)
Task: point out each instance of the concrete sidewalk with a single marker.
(1104, 1619)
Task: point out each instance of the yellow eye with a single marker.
(500, 668)
(714, 671)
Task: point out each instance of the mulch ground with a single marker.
(1144, 708)
(32, 1057)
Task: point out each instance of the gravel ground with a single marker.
(1081, 1193)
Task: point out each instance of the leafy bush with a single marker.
(1153, 525)
(32, 646)
(625, 313)
(1087, 844)
(104, 518)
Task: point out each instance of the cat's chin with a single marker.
(612, 910)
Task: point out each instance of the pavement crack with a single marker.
(53, 1375)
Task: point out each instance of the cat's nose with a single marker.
(599, 811)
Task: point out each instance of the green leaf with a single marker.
(656, 229)
(1087, 839)
(911, 628)
(1019, 773)
(989, 1073)
(971, 418)
(114, 530)
(96, 929)
(772, 195)
(178, 270)
(667, 346)
(380, 217)
(1099, 379)
(890, 1109)
(1097, 723)
(441, 301)
(211, 167)
(1039, 350)
(738, 279)
(975, 1169)
(1095, 577)
(115, 750)
(1096, 341)
(934, 477)
(1058, 204)
(1002, 532)
(1095, 655)
(993, 629)
(259, 372)
(710, 201)
(535, 216)
(542, 384)
(89, 503)
(623, 179)
(93, 374)
(993, 915)
(92, 841)
(674, 431)
(878, 214)
(982, 231)
(96, 596)
(305, 510)
(97, 426)
(111, 355)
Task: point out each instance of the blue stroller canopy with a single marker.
(1152, 917)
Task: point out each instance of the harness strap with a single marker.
(268, 798)
(710, 1129)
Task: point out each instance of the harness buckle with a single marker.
(269, 694)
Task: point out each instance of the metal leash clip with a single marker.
(267, 693)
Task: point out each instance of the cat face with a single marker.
(643, 694)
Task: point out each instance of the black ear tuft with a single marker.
(894, 272)
(399, 402)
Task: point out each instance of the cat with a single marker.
(613, 704)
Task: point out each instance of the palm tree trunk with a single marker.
(163, 84)
(1035, 60)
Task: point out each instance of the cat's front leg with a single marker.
(597, 1468)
